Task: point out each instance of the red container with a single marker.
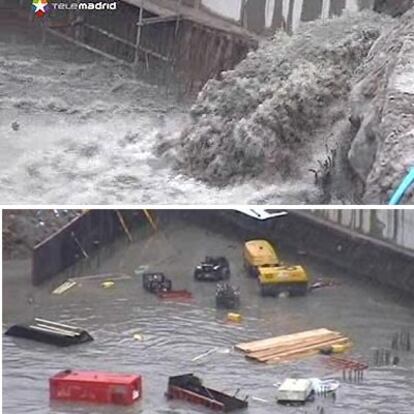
(97, 387)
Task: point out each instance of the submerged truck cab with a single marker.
(259, 253)
(261, 261)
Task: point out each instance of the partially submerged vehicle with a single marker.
(49, 332)
(156, 282)
(261, 261)
(212, 269)
(227, 296)
(279, 279)
(189, 388)
(259, 253)
(161, 286)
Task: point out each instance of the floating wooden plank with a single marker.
(311, 341)
(291, 347)
(295, 351)
(64, 287)
(279, 340)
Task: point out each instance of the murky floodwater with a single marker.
(174, 333)
(77, 129)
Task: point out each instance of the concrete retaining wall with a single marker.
(394, 226)
(269, 15)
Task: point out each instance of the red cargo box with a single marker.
(97, 387)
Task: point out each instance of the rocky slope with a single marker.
(382, 102)
(274, 114)
(331, 107)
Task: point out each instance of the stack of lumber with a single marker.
(291, 347)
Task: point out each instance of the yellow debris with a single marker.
(339, 348)
(234, 317)
(107, 284)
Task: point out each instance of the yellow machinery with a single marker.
(259, 253)
(261, 261)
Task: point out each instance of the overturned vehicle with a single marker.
(212, 269)
(227, 296)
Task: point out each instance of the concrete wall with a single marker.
(395, 226)
(262, 15)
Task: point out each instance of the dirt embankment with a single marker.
(23, 229)
(382, 110)
(330, 108)
(273, 115)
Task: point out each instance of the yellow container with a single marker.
(234, 317)
(107, 284)
(338, 349)
(260, 253)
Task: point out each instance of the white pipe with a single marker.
(326, 7)
(269, 12)
(297, 14)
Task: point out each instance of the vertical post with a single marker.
(177, 23)
(44, 27)
(139, 30)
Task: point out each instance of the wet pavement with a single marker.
(176, 332)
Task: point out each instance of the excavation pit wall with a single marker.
(302, 232)
(80, 241)
(168, 48)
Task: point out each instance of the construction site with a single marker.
(87, 269)
(254, 102)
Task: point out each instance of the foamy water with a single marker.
(76, 129)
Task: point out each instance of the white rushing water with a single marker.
(77, 129)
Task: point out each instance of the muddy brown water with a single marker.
(176, 332)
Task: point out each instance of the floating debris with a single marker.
(291, 347)
(234, 317)
(211, 351)
(50, 332)
(96, 387)
(188, 387)
(64, 287)
(227, 296)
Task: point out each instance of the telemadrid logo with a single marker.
(40, 7)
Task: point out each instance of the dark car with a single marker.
(227, 296)
(156, 282)
(212, 269)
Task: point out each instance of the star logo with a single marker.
(40, 7)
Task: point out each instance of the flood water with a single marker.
(76, 129)
(175, 332)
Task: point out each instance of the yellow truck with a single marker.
(261, 261)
